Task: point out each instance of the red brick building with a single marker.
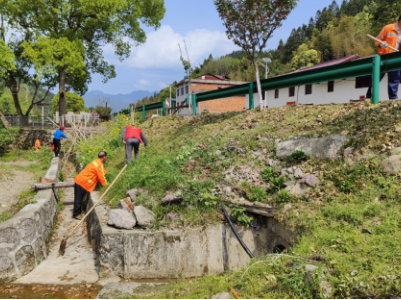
(204, 83)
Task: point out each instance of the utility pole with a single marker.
(171, 103)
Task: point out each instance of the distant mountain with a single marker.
(117, 102)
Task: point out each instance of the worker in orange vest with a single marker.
(132, 137)
(390, 36)
(37, 144)
(87, 180)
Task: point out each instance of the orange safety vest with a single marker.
(91, 175)
(133, 132)
(37, 144)
(388, 34)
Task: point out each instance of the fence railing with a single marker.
(39, 122)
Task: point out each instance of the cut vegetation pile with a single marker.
(348, 225)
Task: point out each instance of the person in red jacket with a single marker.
(87, 180)
(390, 36)
(132, 136)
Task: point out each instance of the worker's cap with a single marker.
(62, 128)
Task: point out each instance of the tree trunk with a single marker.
(62, 105)
(255, 62)
(4, 120)
(11, 83)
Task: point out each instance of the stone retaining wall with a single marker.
(23, 238)
(166, 254)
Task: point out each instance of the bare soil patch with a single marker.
(12, 183)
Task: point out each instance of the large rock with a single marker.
(392, 165)
(132, 193)
(326, 147)
(310, 180)
(126, 204)
(298, 189)
(144, 216)
(121, 219)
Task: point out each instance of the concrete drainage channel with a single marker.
(172, 254)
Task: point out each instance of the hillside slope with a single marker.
(348, 225)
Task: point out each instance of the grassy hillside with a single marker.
(348, 225)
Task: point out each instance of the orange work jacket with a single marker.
(388, 34)
(91, 175)
(37, 144)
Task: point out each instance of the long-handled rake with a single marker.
(63, 244)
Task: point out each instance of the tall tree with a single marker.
(75, 103)
(93, 23)
(250, 23)
(387, 12)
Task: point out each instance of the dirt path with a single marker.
(77, 266)
(12, 183)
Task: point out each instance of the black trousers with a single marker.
(79, 194)
(57, 145)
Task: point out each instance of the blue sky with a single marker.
(155, 64)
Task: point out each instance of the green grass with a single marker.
(350, 223)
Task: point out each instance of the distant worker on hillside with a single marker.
(390, 36)
(37, 144)
(87, 180)
(56, 140)
(132, 137)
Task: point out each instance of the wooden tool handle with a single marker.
(98, 201)
(53, 122)
(379, 41)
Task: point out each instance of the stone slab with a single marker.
(325, 148)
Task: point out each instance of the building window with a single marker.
(263, 95)
(363, 82)
(182, 91)
(276, 94)
(291, 92)
(187, 89)
(330, 87)
(308, 89)
(178, 92)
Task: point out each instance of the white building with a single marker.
(339, 91)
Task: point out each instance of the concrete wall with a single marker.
(23, 238)
(166, 254)
(344, 91)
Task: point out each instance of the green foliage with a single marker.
(386, 12)
(165, 94)
(61, 177)
(304, 57)
(50, 55)
(183, 153)
(75, 102)
(239, 215)
(209, 200)
(273, 177)
(298, 156)
(7, 136)
(7, 59)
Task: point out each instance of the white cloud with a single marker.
(144, 82)
(161, 48)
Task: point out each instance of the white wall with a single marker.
(344, 91)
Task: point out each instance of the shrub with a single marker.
(299, 156)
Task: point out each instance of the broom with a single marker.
(63, 244)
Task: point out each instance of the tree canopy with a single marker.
(87, 24)
(75, 102)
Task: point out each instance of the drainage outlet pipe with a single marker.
(236, 233)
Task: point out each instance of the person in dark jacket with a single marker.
(56, 140)
(132, 136)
